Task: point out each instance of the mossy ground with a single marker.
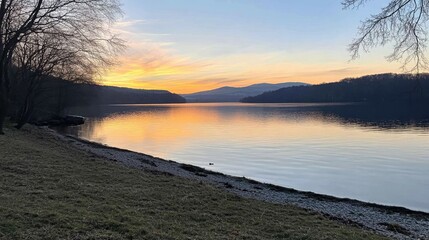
(49, 190)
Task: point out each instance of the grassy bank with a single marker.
(49, 190)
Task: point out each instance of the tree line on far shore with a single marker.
(381, 88)
(56, 95)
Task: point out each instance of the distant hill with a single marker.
(116, 95)
(373, 88)
(56, 95)
(235, 94)
(96, 94)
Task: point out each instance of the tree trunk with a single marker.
(3, 111)
(25, 113)
(1, 124)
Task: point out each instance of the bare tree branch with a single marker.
(402, 23)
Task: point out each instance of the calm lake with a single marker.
(378, 154)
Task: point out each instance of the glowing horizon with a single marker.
(189, 46)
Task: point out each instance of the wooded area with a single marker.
(381, 88)
(66, 39)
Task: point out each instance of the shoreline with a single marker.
(54, 189)
(390, 221)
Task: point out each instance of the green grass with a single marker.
(49, 190)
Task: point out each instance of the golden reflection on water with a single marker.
(178, 125)
(330, 152)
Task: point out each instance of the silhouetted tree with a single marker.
(35, 58)
(80, 28)
(401, 22)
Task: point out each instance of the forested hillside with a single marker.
(374, 88)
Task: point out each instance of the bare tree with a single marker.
(37, 57)
(402, 23)
(81, 27)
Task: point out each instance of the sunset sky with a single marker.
(192, 45)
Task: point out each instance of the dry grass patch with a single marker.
(49, 190)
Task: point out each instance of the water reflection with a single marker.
(372, 153)
(384, 117)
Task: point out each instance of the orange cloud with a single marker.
(144, 64)
(152, 64)
(183, 76)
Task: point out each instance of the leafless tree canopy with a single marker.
(71, 39)
(402, 23)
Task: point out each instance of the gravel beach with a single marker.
(393, 222)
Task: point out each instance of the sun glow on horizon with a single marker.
(185, 79)
(192, 52)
